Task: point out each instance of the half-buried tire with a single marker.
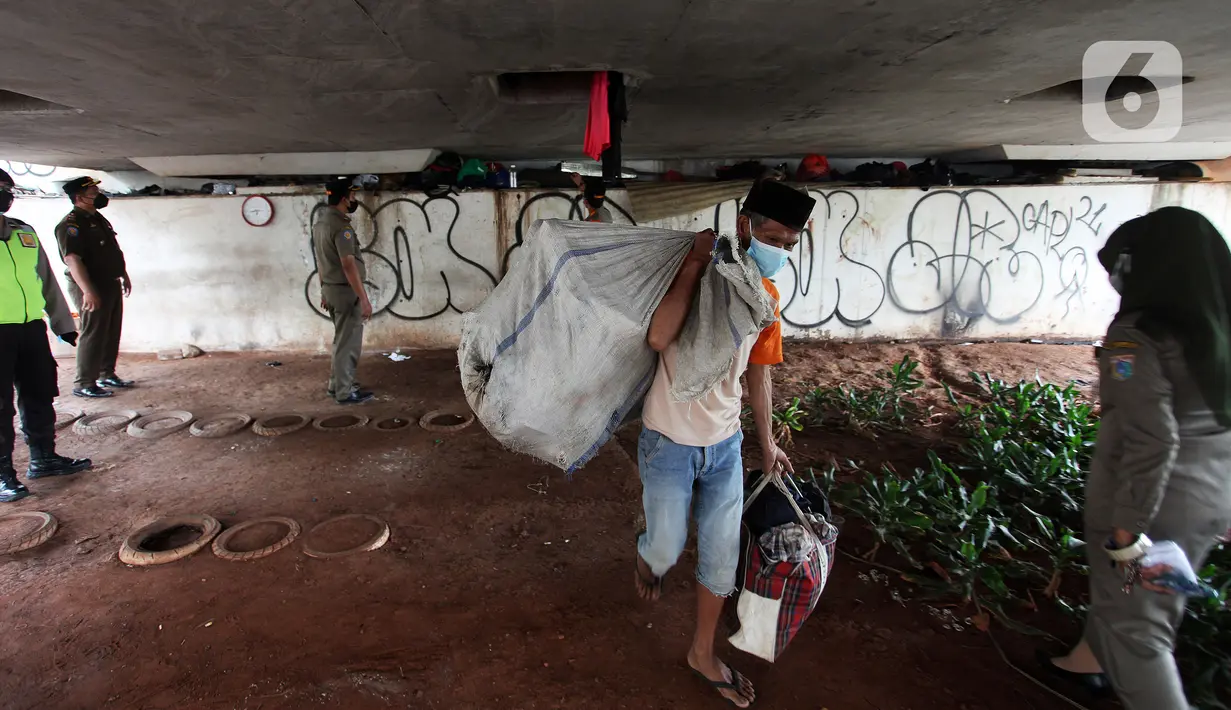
(374, 542)
(45, 527)
(226, 553)
(221, 425)
(104, 422)
(279, 424)
(444, 422)
(143, 547)
(391, 424)
(140, 428)
(65, 419)
(340, 422)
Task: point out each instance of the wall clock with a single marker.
(258, 211)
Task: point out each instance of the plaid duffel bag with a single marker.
(785, 571)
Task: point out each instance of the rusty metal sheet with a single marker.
(650, 202)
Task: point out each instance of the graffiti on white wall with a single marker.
(19, 170)
(978, 262)
(390, 261)
(979, 258)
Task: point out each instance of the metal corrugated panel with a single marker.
(661, 200)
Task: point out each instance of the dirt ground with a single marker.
(503, 585)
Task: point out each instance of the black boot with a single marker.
(10, 488)
(44, 462)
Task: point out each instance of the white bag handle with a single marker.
(780, 485)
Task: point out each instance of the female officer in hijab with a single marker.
(1162, 464)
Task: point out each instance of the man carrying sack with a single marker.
(696, 445)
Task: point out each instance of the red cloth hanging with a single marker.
(598, 127)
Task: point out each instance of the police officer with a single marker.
(27, 289)
(339, 264)
(1162, 465)
(98, 281)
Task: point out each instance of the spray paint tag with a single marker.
(1122, 367)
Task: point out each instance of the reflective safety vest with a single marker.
(21, 289)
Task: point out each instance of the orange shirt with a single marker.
(768, 348)
(715, 417)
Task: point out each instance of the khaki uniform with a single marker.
(333, 237)
(91, 238)
(1162, 467)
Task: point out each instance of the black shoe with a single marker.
(93, 391)
(56, 465)
(114, 381)
(1097, 684)
(358, 397)
(10, 488)
(354, 388)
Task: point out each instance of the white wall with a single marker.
(876, 263)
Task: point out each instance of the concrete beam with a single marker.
(379, 161)
(1213, 150)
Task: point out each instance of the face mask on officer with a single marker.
(354, 204)
(1124, 266)
(6, 198)
(98, 201)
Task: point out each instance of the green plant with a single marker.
(1033, 443)
(893, 506)
(884, 407)
(1204, 649)
(1001, 514)
(998, 521)
(787, 420)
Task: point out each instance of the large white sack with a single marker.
(556, 358)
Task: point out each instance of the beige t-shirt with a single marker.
(715, 417)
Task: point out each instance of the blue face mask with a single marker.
(770, 259)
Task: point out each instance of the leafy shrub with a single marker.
(1000, 521)
(1204, 648)
(885, 407)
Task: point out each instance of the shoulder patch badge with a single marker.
(1122, 367)
(348, 234)
(71, 231)
(27, 239)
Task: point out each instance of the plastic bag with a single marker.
(1180, 578)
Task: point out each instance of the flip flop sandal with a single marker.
(655, 584)
(734, 686)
